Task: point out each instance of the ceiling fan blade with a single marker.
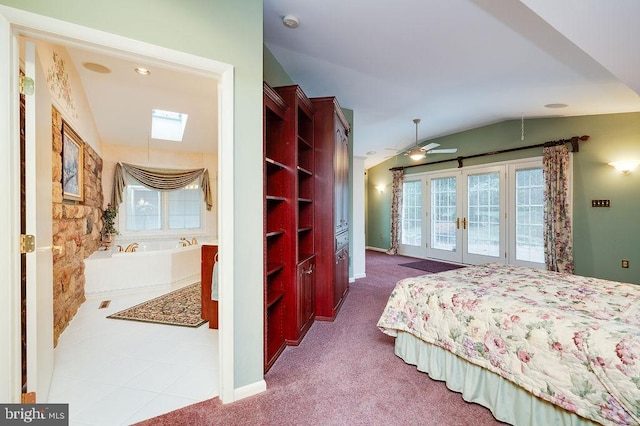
(429, 147)
(443, 151)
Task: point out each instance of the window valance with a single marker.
(160, 179)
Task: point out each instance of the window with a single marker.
(168, 125)
(529, 215)
(411, 220)
(152, 210)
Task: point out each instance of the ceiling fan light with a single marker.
(416, 154)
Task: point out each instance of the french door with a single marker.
(465, 212)
(473, 216)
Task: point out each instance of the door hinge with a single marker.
(28, 398)
(27, 243)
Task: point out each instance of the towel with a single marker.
(214, 282)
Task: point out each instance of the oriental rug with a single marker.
(180, 307)
(432, 266)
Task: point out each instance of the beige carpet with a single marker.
(180, 307)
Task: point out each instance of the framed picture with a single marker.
(72, 164)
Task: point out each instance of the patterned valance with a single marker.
(160, 179)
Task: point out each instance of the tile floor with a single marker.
(117, 372)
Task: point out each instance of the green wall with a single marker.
(602, 236)
(227, 31)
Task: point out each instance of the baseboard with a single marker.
(376, 249)
(357, 277)
(249, 390)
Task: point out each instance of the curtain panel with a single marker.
(396, 207)
(558, 238)
(160, 179)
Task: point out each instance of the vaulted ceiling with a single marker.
(457, 64)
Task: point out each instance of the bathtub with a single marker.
(155, 265)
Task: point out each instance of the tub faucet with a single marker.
(184, 242)
(194, 241)
(131, 248)
(120, 248)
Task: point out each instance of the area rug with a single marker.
(431, 266)
(180, 307)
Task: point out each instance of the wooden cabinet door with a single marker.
(341, 178)
(341, 275)
(305, 301)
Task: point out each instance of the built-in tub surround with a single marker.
(154, 264)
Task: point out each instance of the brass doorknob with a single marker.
(57, 249)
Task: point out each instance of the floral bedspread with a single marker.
(571, 340)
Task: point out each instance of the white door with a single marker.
(483, 223)
(445, 201)
(38, 223)
(412, 223)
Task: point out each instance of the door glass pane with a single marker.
(529, 215)
(443, 213)
(483, 236)
(411, 218)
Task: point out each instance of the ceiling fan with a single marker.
(419, 152)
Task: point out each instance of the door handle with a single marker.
(457, 223)
(464, 223)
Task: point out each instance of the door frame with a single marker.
(15, 23)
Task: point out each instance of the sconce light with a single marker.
(625, 166)
(26, 85)
(380, 188)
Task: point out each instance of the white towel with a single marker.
(214, 282)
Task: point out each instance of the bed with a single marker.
(535, 347)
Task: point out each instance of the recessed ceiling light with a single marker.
(290, 21)
(556, 105)
(101, 69)
(142, 71)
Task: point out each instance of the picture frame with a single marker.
(72, 164)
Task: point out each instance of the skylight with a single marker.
(168, 125)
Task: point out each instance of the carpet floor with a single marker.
(344, 373)
(180, 307)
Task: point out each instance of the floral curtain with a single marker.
(396, 206)
(558, 239)
(161, 179)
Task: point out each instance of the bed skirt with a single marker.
(508, 402)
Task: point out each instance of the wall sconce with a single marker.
(380, 188)
(625, 166)
(27, 85)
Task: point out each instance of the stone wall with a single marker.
(76, 228)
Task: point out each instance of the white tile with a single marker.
(115, 407)
(120, 370)
(157, 377)
(161, 404)
(107, 369)
(195, 383)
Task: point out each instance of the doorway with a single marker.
(60, 33)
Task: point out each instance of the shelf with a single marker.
(275, 198)
(304, 141)
(273, 267)
(305, 229)
(270, 234)
(273, 297)
(305, 171)
(305, 200)
(303, 257)
(272, 162)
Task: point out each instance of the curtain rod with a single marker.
(574, 141)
